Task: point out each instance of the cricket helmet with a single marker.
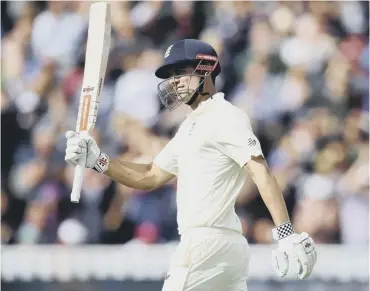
(187, 52)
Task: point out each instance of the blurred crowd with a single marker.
(299, 69)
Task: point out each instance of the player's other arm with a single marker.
(133, 175)
(301, 246)
(237, 140)
(268, 188)
(240, 144)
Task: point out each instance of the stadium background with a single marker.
(299, 69)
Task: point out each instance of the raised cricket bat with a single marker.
(97, 52)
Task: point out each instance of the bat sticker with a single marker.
(88, 89)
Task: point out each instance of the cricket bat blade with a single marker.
(96, 59)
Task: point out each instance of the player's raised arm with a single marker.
(133, 175)
(138, 176)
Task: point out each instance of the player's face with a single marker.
(179, 87)
(184, 81)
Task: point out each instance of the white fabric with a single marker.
(209, 259)
(207, 155)
(176, 279)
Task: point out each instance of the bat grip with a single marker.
(78, 179)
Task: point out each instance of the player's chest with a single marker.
(195, 140)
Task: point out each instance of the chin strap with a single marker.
(198, 93)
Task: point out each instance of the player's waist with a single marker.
(209, 231)
(219, 219)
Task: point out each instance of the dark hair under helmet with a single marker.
(181, 54)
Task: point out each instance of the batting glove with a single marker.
(78, 146)
(299, 246)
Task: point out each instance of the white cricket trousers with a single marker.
(209, 259)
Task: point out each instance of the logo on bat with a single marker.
(88, 89)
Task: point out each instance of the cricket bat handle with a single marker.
(78, 179)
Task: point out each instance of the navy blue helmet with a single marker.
(187, 52)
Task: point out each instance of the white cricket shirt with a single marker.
(207, 155)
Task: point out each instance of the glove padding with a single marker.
(302, 248)
(78, 146)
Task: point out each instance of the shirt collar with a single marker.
(206, 104)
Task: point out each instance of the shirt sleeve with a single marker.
(168, 157)
(235, 138)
